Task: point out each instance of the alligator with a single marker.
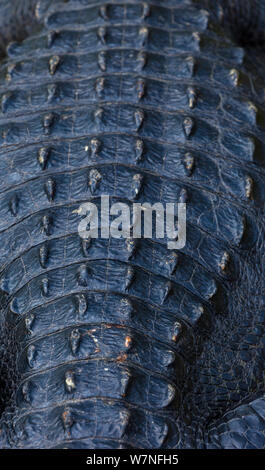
(120, 342)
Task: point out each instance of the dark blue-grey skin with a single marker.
(123, 343)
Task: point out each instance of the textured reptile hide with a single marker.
(121, 343)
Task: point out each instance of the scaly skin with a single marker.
(17, 21)
(118, 343)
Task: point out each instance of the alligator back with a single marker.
(118, 342)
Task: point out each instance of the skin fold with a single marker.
(124, 343)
